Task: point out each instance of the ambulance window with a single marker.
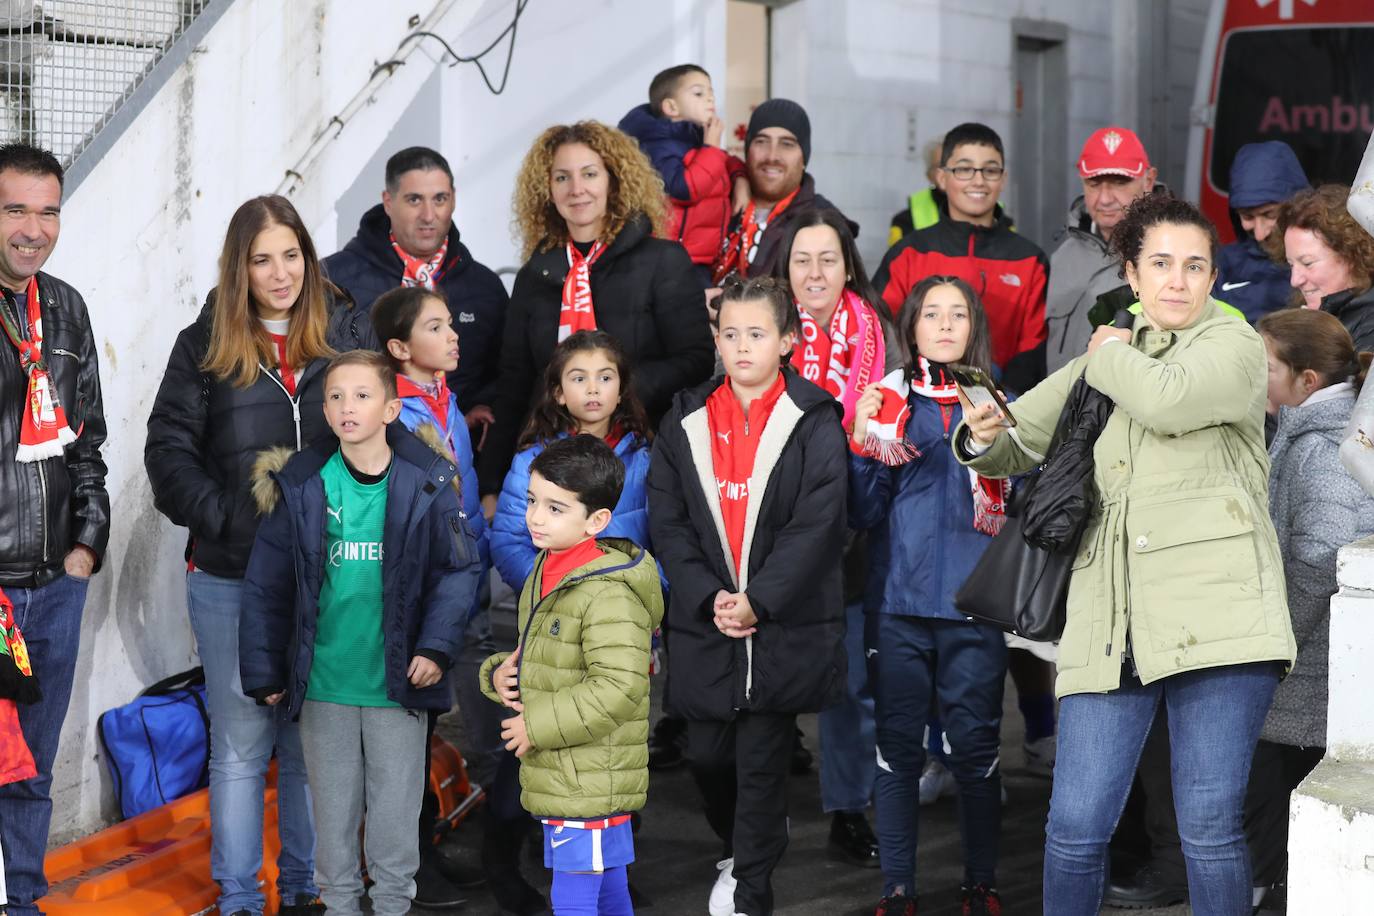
(1312, 88)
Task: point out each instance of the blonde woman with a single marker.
(587, 204)
(246, 376)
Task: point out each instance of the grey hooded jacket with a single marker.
(1081, 269)
(1317, 509)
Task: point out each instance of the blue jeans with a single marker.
(848, 738)
(50, 618)
(242, 737)
(1214, 721)
(959, 667)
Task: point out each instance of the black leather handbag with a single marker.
(1021, 583)
(1018, 588)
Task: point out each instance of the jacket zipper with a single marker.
(522, 645)
(43, 516)
(295, 403)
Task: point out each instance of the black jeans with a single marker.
(742, 767)
(1275, 773)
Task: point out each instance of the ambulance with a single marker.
(1300, 71)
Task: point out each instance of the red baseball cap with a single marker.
(1113, 151)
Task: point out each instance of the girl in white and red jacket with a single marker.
(746, 508)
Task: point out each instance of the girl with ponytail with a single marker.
(1315, 375)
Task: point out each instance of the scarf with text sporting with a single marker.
(44, 431)
(989, 496)
(576, 312)
(420, 271)
(846, 359)
(743, 244)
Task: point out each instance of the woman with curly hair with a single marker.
(1177, 593)
(1331, 256)
(587, 203)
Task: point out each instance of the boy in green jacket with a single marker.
(579, 678)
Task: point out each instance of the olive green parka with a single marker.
(1179, 560)
(584, 684)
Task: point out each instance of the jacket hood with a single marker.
(627, 562)
(804, 394)
(373, 243)
(1327, 418)
(280, 466)
(1347, 302)
(642, 124)
(1265, 173)
(1080, 221)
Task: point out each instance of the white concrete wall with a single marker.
(1331, 819)
(140, 239)
(862, 66)
(591, 59)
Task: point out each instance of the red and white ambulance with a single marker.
(1300, 71)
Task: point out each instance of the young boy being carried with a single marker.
(679, 131)
(579, 677)
(355, 598)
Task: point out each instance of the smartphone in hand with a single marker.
(979, 388)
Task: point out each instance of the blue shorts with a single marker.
(576, 846)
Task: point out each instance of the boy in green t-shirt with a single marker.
(355, 600)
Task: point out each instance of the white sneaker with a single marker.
(1040, 756)
(936, 782)
(722, 901)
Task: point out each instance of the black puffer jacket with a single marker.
(645, 295)
(368, 266)
(1355, 309)
(204, 434)
(48, 507)
(795, 662)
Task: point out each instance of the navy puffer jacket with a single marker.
(923, 544)
(1262, 173)
(430, 571)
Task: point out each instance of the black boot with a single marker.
(666, 743)
(501, 842)
(852, 839)
(1148, 888)
(801, 757)
(433, 891)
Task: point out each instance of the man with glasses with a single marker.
(777, 146)
(974, 240)
(1115, 172)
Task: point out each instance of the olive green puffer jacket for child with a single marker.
(584, 684)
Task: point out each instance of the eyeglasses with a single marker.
(965, 172)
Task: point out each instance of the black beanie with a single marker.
(786, 114)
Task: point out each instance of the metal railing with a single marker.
(67, 66)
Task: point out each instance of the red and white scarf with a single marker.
(576, 313)
(742, 245)
(885, 438)
(420, 271)
(848, 358)
(989, 496)
(43, 431)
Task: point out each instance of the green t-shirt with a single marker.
(350, 666)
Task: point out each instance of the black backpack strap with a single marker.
(195, 677)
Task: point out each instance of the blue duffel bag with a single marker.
(158, 746)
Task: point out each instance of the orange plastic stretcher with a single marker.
(158, 863)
